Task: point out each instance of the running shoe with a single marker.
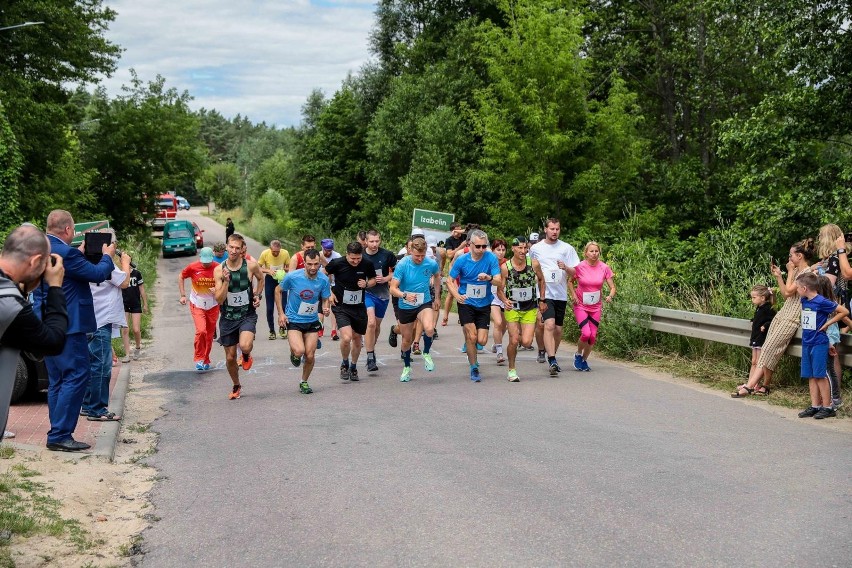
(344, 372)
(272, 335)
(296, 361)
(392, 337)
(554, 369)
(406, 375)
(474, 375)
(199, 365)
(415, 349)
(464, 347)
(540, 357)
(319, 343)
(435, 336)
(305, 388)
(808, 412)
(585, 365)
(247, 362)
(353, 375)
(825, 412)
(206, 367)
(428, 363)
(334, 336)
(578, 361)
(480, 348)
(493, 348)
(513, 376)
(371, 363)
(235, 392)
(282, 332)
(501, 358)
(836, 403)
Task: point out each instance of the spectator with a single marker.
(219, 253)
(68, 372)
(24, 261)
(456, 239)
(135, 304)
(229, 229)
(109, 316)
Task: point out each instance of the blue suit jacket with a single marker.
(78, 296)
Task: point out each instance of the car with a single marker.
(30, 377)
(182, 202)
(178, 239)
(199, 238)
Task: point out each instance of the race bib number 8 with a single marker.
(352, 297)
(809, 320)
(591, 298)
(238, 299)
(552, 275)
(476, 290)
(306, 309)
(522, 294)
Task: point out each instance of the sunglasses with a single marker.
(480, 246)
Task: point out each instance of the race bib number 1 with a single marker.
(809, 320)
(352, 297)
(522, 294)
(591, 298)
(238, 299)
(306, 309)
(476, 290)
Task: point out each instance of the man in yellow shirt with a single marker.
(273, 263)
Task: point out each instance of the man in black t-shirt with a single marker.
(352, 276)
(456, 238)
(378, 297)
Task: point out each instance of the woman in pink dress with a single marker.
(586, 293)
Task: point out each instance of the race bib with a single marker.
(353, 297)
(591, 298)
(552, 275)
(306, 309)
(418, 300)
(522, 294)
(476, 290)
(237, 299)
(203, 303)
(809, 320)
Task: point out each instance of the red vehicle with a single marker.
(199, 238)
(167, 208)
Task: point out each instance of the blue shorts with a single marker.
(379, 305)
(814, 361)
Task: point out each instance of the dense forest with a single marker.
(681, 123)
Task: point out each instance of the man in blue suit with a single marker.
(68, 372)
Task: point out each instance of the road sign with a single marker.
(434, 224)
(88, 227)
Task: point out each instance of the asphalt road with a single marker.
(610, 467)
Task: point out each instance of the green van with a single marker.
(178, 239)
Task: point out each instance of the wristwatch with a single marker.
(841, 251)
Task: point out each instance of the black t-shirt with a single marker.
(383, 261)
(453, 243)
(131, 294)
(346, 279)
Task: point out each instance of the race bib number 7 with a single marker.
(238, 299)
(591, 298)
(809, 320)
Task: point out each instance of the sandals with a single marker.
(740, 394)
(108, 417)
(762, 390)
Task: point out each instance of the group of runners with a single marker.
(526, 295)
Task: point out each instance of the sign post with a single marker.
(81, 228)
(432, 223)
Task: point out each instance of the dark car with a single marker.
(199, 238)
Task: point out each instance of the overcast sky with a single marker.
(258, 58)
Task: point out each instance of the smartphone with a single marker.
(94, 245)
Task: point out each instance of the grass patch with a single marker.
(139, 428)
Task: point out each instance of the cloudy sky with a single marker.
(258, 58)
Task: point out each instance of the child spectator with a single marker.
(835, 371)
(816, 317)
(135, 304)
(219, 253)
(763, 298)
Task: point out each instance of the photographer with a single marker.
(24, 261)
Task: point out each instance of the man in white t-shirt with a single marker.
(557, 259)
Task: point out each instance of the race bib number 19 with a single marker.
(522, 294)
(238, 299)
(809, 320)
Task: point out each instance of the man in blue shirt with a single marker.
(413, 279)
(307, 291)
(476, 271)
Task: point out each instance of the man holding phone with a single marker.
(68, 372)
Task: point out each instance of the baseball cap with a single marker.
(327, 244)
(206, 255)
(519, 240)
(418, 233)
(534, 238)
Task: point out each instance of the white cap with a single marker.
(534, 237)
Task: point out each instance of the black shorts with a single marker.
(395, 305)
(133, 308)
(481, 317)
(356, 318)
(304, 328)
(230, 330)
(410, 316)
(555, 310)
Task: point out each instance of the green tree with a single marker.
(10, 173)
(221, 183)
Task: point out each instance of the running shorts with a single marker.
(480, 317)
(522, 317)
(230, 330)
(555, 310)
(410, 316)
(356, 318)
(379, 305)
(304, 328)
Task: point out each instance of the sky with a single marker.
(257, 58)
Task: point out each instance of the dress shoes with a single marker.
(69, 445)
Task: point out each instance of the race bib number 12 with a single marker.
(809, 320)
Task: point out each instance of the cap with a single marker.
(534, 237)
(327, 244)
(418, 233)
(431, 241)
(206, 255)
(519, 240)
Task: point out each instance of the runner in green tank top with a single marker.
(524, 286)
(234, 293)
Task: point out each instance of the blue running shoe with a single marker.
(586, 366)
(578, 361)
(464, 347)
(474, 375)
(319, 343)
(199, 366)
(480, 348)
(206, 366)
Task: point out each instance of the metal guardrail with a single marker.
(720, 329)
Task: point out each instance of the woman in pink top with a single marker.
(590, 276)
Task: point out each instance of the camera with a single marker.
(52, 260)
